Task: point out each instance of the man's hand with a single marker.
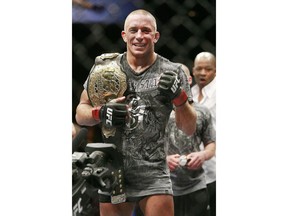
(173, 161)
(111, 114)
(170, 86)
(195, 160)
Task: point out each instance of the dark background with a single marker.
(186, 28)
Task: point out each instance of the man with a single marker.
(185, 160)
(204, 93)
(154, 86)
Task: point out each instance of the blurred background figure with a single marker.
(204, 93)
(85, 4)
(185, 159)
(102, 11)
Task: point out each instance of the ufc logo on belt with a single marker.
(175, 85)
(109, 116)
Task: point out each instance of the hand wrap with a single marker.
(111, 114)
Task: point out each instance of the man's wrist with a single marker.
(96, 113)
(204, 155)
(181, 99)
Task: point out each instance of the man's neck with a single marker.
(141, 64)
(200, 96)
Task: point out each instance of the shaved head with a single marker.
(186, 70)
(140, 12)
(207, 56)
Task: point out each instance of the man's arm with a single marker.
(84, 111)
(112, 114)
(185, 117)
(185, 114)
(209, 150)
(196, 159)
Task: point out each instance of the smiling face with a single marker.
(140, 34)
(204, 69)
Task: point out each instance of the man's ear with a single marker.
(123, 34)
(157, 36)
(190, 80)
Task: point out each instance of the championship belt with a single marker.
(106, 81)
